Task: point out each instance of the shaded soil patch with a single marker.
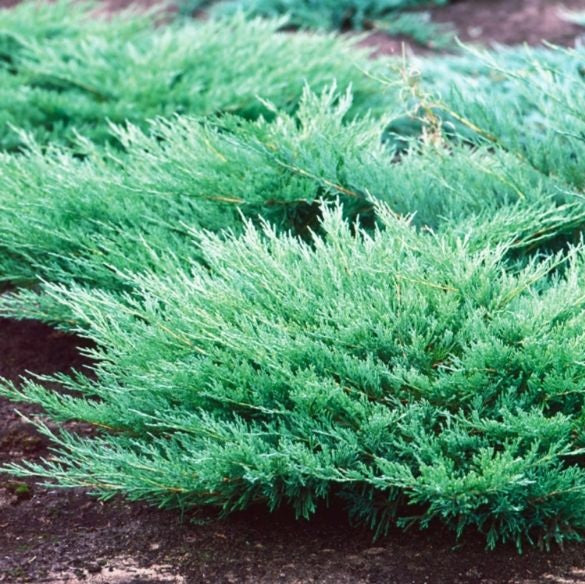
(512, 22)
(35, 347)
(29, 347)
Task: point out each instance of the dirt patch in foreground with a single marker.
(66, 536)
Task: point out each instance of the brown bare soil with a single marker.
(493, 22)
(512, 21)
(66, 536)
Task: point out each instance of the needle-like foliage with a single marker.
(62, 74)
(292, 298)
(540, 100)
(95, 219)
(70, 218)
(402, 372)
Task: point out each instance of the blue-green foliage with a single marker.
(391, 370)
(540, 100)
(65, 71)
(323, 14)
(68, 218)
(94, 219)
(292, 298)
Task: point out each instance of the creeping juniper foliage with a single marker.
(393, 370)
(305, 276)
(419, 27)
(67, 76)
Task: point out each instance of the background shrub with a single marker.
(68, 77)
(328, 14)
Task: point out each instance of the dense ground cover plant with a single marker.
(96, 219)
(92, 220)
(406, 335)
(404, 372)
(60, 74)
(540, 97)
(70, 218)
